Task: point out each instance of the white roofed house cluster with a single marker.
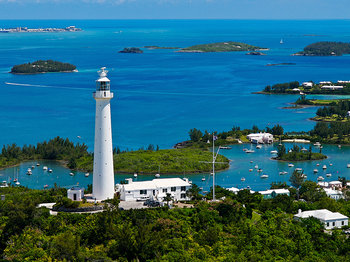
(156, 189)
(260, 138)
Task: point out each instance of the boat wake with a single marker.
(31, 85)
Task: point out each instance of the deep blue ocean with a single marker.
(160, 94)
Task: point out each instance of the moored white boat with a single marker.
(44, 168)
(264, 176)
(328, 175)
(290, 165)
(320, 178)
(274, 152)
(242, 179)
(258, 146)
(87, 174)
(315, 170)
(324, 167)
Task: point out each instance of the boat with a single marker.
(281, 42)
(29, 171)
(330, 164)
(37, 164)
(251, 161)
(339, 146)
(46, 186)
(328, 175)
(157, 175)
(203, 179)
(258, 146)
(283, 172)
(225, 147)
(44, 168)
(290, 165)
(298, 169)
(249, 151)
(50, 170)
(4, 184)
(260, 170)
(264, 176)
(17, 183)
(320, 178)
(250, 170)
(315, 170)
(304, 176)
(242, 179)
(256, 166)
(324, 167)
(304, 149)
(348, 165)
(245, 149)
(87, 174)
(33, 166)
(135, 175)
(317, 144)
(71, 174)
(317, 164)
(274, 152)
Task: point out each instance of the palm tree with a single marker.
(168, 198)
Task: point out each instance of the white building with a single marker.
(260, 138)
(154, 189)
(335, 184)
(329, 219)
(343, 82)
(308, 84)
(75, 193)
(325, 82)
(103, 172)
(332, 87)
(272, 193)
(334, 194)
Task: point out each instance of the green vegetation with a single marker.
(133, 50)
(43, 66)
(336, 111)
(221, 47)
(316, 102)
(297, 154)
(287, 88)
(174, 161)
(326, 49)
(282, 88)
(243, 227)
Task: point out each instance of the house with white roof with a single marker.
(335, 184)
(272, 193)
(155, 189)
(308, 84)
(75, 193)
(329, 219)
(334, 194)
(330, 87)
(260, 138)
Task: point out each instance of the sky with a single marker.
(174, 9)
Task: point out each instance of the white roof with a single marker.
(156, 183)
(335, 183)
(233, 189)
(259, 134)
(330, 191)
(277, 191)
(322, 214)
(323, 184)
(103, 79)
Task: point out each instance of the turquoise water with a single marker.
(160, 94)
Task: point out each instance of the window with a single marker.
(183, 195)
(165, 190)
(183, 188)
(173, 189)
(327, 224)
(333, 223)
(342, 223)
(154, 192)
(143, 192)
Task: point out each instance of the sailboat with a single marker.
(158, 174)
(281, 42)
(17, 182)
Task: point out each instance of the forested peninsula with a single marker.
(221, 47)
(145, 161)
(43, 66)
(323, 87)
(325, 49)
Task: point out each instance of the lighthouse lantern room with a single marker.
(103, 172)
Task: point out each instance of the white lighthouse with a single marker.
(103, 174)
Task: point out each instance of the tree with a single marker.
(193, 192)
(168, 198)
(297, 179)
(195, 134)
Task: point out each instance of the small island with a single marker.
(298, 154)
(221, 47)
(325, 49)
(255, 53)
(43, 66)
(131, 50)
